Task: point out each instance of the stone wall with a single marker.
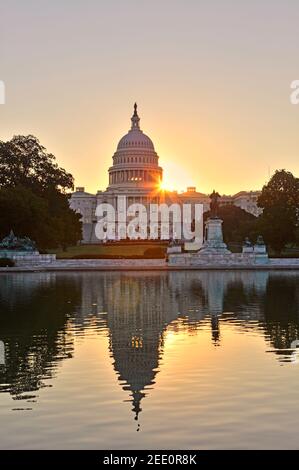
(176, 261)
(109, 263)
(221, 260)
(29, 259)
(282, 262)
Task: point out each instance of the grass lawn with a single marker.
(117, 250)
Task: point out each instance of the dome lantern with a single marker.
(135, 119)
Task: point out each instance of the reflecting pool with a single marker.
(202, 360)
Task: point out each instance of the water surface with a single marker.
(204, 360)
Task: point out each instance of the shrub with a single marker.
(155, 252)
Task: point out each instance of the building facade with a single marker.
(135, 173)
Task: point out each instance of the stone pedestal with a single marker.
(214, 253)
(174, 249)
(260, 249)
(192, 246)
(247, 249)
(213, 243)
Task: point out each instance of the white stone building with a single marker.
(136, 174)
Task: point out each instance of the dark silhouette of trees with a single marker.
(24, 161)
(280, 202)
(33, 195)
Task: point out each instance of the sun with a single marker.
(175, 177)
(164, 187)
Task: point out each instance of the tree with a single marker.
(33, 197)
(49, 222)
(67, 225)
(23, 212)
(24, 161)
(280, 202)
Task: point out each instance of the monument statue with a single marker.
(13, 243)
(260, 247)
(247, 246)
(213, 243)
(214, 206)
(260, 240)
(247, 242)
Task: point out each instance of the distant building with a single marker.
(136, 174)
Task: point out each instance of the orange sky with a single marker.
(212, 81)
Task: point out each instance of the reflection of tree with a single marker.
(237, 297)
(34, 329)
(281, 312)
(274, 308)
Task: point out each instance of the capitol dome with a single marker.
(135, 162)
(135, 137)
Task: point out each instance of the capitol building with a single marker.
(136, 174)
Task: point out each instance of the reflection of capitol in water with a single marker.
(43, 312)
(141, 306)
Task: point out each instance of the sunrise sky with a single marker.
(211, 78)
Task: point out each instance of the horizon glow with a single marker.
(212, 81)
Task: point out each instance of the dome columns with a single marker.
(135, 176)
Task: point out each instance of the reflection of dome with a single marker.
(136, 359)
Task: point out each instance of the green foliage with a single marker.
(33, 201)
(23, 212)
(6, 263)
(280, 202)
(24, 161)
